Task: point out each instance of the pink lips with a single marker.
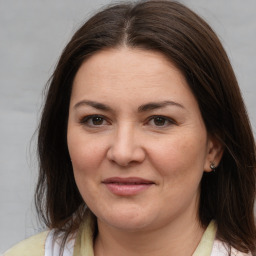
(127, 186)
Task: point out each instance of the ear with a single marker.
(214, 153)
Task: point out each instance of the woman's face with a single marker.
(137, 140)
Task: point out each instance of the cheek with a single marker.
(86, 153)
(86, 156)
(179, 157)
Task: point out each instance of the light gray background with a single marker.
(32, 36)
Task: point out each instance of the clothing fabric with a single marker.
(82, 245)
(33, 246)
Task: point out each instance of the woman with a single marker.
(145, 147)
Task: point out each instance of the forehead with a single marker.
(125, 68)
(128, 57)
(126, 78)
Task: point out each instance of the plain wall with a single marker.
(33, 34)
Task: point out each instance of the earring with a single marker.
(213, 167)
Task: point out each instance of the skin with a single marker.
(166, 144)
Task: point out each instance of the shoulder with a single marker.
(33, 246)
(54, 244)
(220, 249)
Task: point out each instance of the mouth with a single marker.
(127, 186)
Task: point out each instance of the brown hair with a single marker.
(228, 194)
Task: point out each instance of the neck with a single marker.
(169, 240)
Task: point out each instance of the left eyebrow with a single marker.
(93, 104)
(156, 105)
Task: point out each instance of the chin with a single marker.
(129, 221)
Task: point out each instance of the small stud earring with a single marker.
(213, 167)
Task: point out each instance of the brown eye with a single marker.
(97, 120)
(93, 121)
(160, 121)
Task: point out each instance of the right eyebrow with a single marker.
(93, 104)
(156, 105)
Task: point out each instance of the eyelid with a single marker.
(85, 120)
(170, 121)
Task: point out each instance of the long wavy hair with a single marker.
(228, 194)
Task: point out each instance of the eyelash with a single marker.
(169, 120)
(87, 120)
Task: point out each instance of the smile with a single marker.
(127, 186)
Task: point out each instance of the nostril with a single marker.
(126, 156)
(125, 148)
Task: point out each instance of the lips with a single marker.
(130, 180)
(127, 186)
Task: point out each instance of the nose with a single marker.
(125, 148)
